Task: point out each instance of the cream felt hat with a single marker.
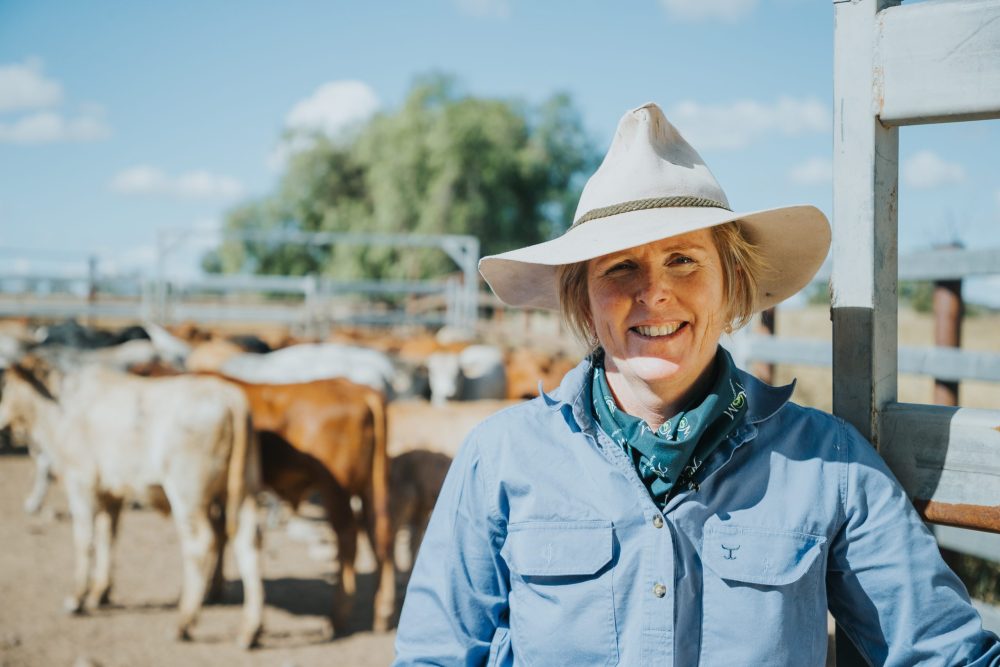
(653, 185)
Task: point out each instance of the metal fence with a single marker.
(306, 303)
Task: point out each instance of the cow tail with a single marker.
(380, 472)
(242, 460)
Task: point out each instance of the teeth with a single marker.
(665, 330)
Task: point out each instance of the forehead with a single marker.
(701, 239)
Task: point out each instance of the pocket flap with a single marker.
(558, 548)
(758, 555)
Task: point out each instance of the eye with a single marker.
(680, 260)
(619, 267)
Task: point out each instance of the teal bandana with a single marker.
(673, 454)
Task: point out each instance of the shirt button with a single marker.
(659, 590)
(658, 521)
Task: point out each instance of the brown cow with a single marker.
(416, 480)
(330, 435)
(525, 368)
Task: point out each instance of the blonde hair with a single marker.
(743, 266)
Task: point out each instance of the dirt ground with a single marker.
(36, 574)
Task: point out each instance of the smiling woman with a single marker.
(662, 506)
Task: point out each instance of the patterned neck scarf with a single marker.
(669, 457)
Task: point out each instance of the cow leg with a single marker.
(218, 581)
(105, 531)
(246, 546)
(196, 550)
(82, 506)
(379, 530)
(337, 505)
(43, 470)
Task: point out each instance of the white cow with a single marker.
(319, 361)
(475, 373)
(186, 440)
(67, 358)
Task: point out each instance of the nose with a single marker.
(654, 289)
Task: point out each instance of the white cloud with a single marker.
(927, 169)
(23, 86)
(49, 127)
(740, 123)
(334, 108)
(814, 171)
(198, 184)
(485, 8)
(704, 10)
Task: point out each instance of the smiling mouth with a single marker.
(659, 331)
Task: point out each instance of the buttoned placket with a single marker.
(658, 563)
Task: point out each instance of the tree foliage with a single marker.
(444, 162)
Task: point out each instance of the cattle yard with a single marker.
(319, 602)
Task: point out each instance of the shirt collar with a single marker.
(764, 400)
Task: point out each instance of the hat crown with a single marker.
(648, 159)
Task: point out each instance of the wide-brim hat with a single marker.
(653, 185)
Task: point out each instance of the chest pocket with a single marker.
(759, 556)
(562, 601)
(764, 596)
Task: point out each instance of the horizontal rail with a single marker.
(943, 363)
(973, 542)
(947, 459)
(938, 61)
(337, 238)
(64, 310)
(942, 264)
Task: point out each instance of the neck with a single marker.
(655, 404)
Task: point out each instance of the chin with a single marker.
(651, 369)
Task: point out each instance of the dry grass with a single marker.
(814, 385)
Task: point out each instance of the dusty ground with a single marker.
(36, 573)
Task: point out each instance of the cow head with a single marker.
(18, 399)
(444, 375)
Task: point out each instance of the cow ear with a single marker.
(27, 375)
(19, 371)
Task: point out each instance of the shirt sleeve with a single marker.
(456, 601)
(887, 585)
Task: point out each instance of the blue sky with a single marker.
(118, 119)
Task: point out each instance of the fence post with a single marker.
(948, 313)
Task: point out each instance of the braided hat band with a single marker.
(645, 204)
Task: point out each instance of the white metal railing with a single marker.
(934, 61)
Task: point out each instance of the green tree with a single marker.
(444, 162)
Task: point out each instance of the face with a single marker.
(658, 310)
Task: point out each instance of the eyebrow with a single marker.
(682, 246)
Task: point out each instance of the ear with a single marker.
(25, 374)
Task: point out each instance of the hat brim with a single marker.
(793, 241)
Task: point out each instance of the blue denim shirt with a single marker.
(546, 549)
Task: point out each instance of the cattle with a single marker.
(526, 368)
(186, 443)
(73, 334)
(44, 360)
(330, 436)
(308, 362)
(416, 478)
(212, 355)
(422, 425)
(475, 373)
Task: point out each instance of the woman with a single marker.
(663, 506)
